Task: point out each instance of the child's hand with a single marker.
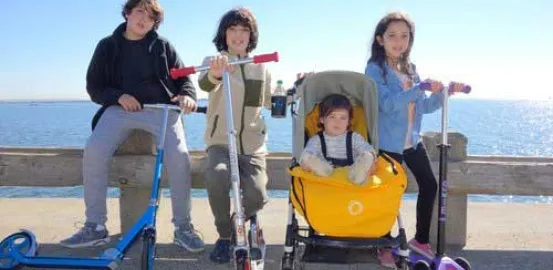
(217, 64)
(129, 103)
(305, 167)
(434, 86)
(363, 167)
(407, 84)
(372, 170)
(316, 165)
(186, 103)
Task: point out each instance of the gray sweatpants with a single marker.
(253, 182)
(112, 129)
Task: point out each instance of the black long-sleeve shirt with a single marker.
(108, 76)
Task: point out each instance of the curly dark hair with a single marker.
(152, 6)
(237, 16)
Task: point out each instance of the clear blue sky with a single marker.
(501, 47)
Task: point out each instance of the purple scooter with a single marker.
(441, 261)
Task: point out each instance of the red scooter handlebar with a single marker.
(257, 59)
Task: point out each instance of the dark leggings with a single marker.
(417, 161)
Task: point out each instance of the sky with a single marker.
(502, 48)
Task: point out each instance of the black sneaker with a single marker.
(87, 236)
(221, 251)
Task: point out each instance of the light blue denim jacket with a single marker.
(393, 112)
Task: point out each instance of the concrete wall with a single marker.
(132, 171)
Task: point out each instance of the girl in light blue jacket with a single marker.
(402, 104)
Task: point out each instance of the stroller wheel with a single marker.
(287, 263)
(291, 264)
(463, 263)
(293, 261)
(24, 242)
(421, 265)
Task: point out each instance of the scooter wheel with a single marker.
(148, 253)
(463, 263)
(24, 242)
(421, 265)
(402, 264)
(242, 261)
(256, 254)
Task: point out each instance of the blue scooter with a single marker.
(20, 249)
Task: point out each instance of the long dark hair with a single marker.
(378, 54)
(237, 16)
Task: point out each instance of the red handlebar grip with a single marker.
(181, 72)
(263, 58)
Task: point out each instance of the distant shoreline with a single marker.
(57, 101)
(45, 101)
(17, 101)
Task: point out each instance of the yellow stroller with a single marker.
(339, 214)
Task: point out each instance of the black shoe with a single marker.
(221, 251)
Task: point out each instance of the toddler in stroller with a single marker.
(335, 145)
(345, 207)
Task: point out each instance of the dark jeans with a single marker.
(417, 161)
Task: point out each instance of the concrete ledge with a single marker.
(132, 171)
(475, 175)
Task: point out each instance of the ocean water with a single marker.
(493, 127)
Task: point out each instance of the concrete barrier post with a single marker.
(456, 204)
(134, 199)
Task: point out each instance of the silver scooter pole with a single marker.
(241, 250)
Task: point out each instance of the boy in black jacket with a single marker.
(130, 68)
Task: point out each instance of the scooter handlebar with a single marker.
(257, 59)
(182, 72)
(451, 89)
(199, 109)
(427, 86)
(264, 58)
